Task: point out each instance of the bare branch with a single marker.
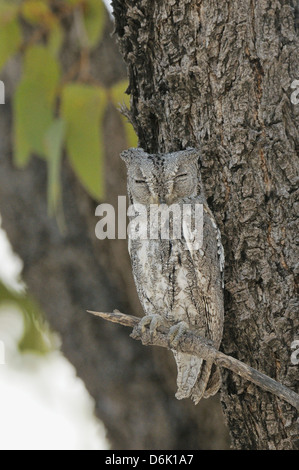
(196, 345)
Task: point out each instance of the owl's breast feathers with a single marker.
(182, 284)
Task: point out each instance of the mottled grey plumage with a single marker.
(177, 283)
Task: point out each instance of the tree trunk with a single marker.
(218, 74)
(69, 273)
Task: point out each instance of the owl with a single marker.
(179, 284)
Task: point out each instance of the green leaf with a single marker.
(10, 32)
(54, 145)
(37, 12)
(34, 103)
(74, 2)
(36, 336)
(94, 20)
(120, 98)
(118, 93)
(83, 109)
(55, 39)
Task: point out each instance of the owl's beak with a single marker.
(160, 200)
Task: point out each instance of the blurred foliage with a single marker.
(83, 108)
(37, 336)
(55, 111)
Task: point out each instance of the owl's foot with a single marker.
(175, 334)
(151, 322)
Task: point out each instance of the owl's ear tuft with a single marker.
(128, 155)
(194, 154)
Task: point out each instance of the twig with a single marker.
(193, 344)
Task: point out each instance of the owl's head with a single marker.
(162, 178)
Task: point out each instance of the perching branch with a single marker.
(196, 345)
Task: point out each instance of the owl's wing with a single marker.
(206, 261)
(206, 257)
(193, 236)
(195, 240)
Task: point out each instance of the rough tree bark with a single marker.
(133, 389)
(218, 74)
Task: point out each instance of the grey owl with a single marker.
(177, 285)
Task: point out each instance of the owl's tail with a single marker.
(209, 382)
(196, 378)
(188, 371)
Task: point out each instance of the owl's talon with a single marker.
(152, 322)
(155, 323)
(175, 334)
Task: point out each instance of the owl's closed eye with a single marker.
(165, 178)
